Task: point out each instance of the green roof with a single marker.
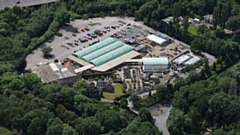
(155, 61)
(102, 51)
(95, 47)
(111, 55)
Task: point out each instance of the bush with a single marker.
(194, 66)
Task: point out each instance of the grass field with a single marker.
(117, 92)
(192, 29)
(5, 131)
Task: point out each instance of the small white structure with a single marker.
(155, 64)
(180, 60)
(193, 60)
(54, 67)
(156, 40)
(196, 20)
(79, 70)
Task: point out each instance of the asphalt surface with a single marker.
(23, 3)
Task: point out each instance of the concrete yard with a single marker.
(61, 53)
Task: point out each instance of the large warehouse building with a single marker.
(155, 64)
(103, 56)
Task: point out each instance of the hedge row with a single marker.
(194, 66)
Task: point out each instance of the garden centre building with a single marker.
(155, 64)
(103, 55)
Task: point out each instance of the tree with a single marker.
(123, 103)
(91, 126)
(54, 127)
(163, 92)
(201, 29)
(21, 64)
(68, 130)
(216, 16)
(81, 87)
(207, 68)
(177, 121)
(31, 81)
(233, 24)
(196, 45)
(93, 92)
(185, 26)
(109, 120)
(46, 51)
(236, 36)
(145, 115)
(136, 101)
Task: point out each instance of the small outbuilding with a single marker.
(155, 64)
(180, 60)
(193, 60)
(155, 40)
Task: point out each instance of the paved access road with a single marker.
(23, 3)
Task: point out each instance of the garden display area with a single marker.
(118, 91)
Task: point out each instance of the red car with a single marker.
(104, 31)
(18, 2)
(74, 34)
(86, 39)
(76, 43)
(82, 30)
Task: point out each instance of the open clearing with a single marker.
(118, 91)
(5, 131)
(192, 29)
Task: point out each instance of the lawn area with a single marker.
(5, 131)
(192, 29)
(118, 91)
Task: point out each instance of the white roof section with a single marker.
(193, 60)
(134, 60)
(156, 61)
(54, 67)
(156, 39)
(181, 59)
(79, 70)
(117, 61)
(78, 60)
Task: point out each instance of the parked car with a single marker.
(89, 34)
(89, 38)
(86, 40)
(76, 43)
(120, 24)
(104, 31)
(108, 30)
(137, 35)
(128, 24)
(82, 40)
(113, 27)
(70, 43)
(74, 34)
(18, 2)
(82, 30)
(76, 40)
